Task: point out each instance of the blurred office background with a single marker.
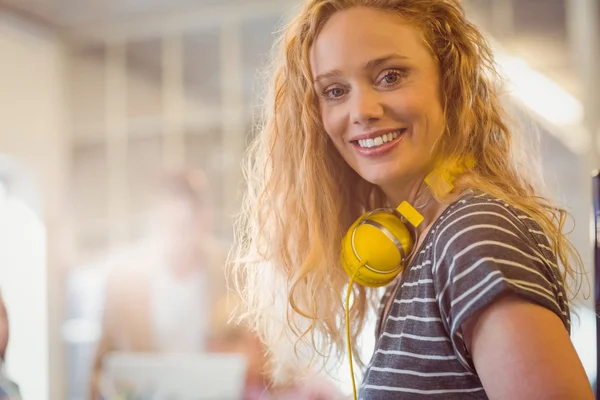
(97, 98)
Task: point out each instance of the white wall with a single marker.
(32, 130)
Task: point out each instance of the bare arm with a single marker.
(105, 343)
(96, 373)
(523, 351)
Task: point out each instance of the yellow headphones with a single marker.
(376, 248)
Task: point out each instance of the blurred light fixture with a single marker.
(546, 99)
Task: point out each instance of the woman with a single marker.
(159, 298)
(369, 98)
(228, 337)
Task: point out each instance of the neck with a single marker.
(430, 213)
(419, 196)
(434, 209)
(405, 191)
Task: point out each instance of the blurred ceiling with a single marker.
(535, 30)
(73, 13)
(538, 31)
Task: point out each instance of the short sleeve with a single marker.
(483, 249)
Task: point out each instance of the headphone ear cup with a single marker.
(375, 248)
(365, 277)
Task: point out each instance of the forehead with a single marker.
(359, 34)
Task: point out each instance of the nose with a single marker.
(366, 107)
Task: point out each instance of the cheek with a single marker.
(333, 122)
(420, 108)
(435, 117)
(411, 103)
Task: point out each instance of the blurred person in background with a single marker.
(160, 299)
(9, 390)
(227, 336)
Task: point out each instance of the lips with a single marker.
(380, 140)
(379, 143)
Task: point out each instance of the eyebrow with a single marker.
(378, 61)
(335, 72)
(370, 65)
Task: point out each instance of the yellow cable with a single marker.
(348, 335)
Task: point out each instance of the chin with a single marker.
(385, 170)
(382, 178)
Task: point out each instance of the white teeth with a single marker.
(378, 141)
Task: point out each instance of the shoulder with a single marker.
(479, 210)
(483, 247)
(480, 221)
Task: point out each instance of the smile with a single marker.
(380, 145)
(380, 140)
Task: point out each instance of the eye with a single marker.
(391, 77)
(333, 93)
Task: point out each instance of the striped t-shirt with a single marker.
(479, 248)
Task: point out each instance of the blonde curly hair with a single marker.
(302, 196)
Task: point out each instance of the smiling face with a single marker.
(379, 96)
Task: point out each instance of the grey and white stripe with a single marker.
(479, 248)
